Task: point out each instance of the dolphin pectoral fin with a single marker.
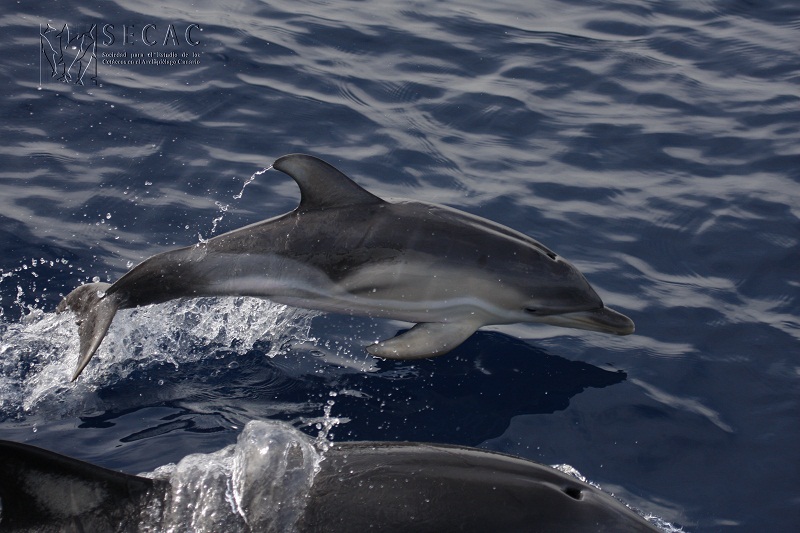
(427, 339)
(94, 310)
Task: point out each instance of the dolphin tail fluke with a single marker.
(427, 339)
(94, 310)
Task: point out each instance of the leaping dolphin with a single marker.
(345, 250)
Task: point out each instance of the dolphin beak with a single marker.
(604, 320)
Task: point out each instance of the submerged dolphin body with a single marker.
(359, 486)
(345, 250)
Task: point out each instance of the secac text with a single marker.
(150, 35)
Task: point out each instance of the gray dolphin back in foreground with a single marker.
(436, 488)
(367, 486)
(42, 491)
(345, 250)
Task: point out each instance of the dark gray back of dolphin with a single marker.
(399, 487)
(360, 486)
(42, 491)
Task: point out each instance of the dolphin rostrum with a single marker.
(345, 250)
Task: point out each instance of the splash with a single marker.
(259, 484)
(25, 281)
(38, 354)
(325, 424)
(250, 180)
(223, 208)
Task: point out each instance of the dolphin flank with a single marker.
(345, 250)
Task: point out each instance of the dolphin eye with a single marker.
(540, 312)
(552, 256)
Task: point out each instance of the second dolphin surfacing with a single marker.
(345, 250)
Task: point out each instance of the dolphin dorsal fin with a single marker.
(322, 186)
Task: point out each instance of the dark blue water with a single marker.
(653, 144)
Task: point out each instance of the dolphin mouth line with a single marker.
(602, 319)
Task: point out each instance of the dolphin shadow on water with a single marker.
(464, 399)
(467, 398)
(345, 250)
(274, 479)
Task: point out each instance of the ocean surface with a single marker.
(655, 145)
